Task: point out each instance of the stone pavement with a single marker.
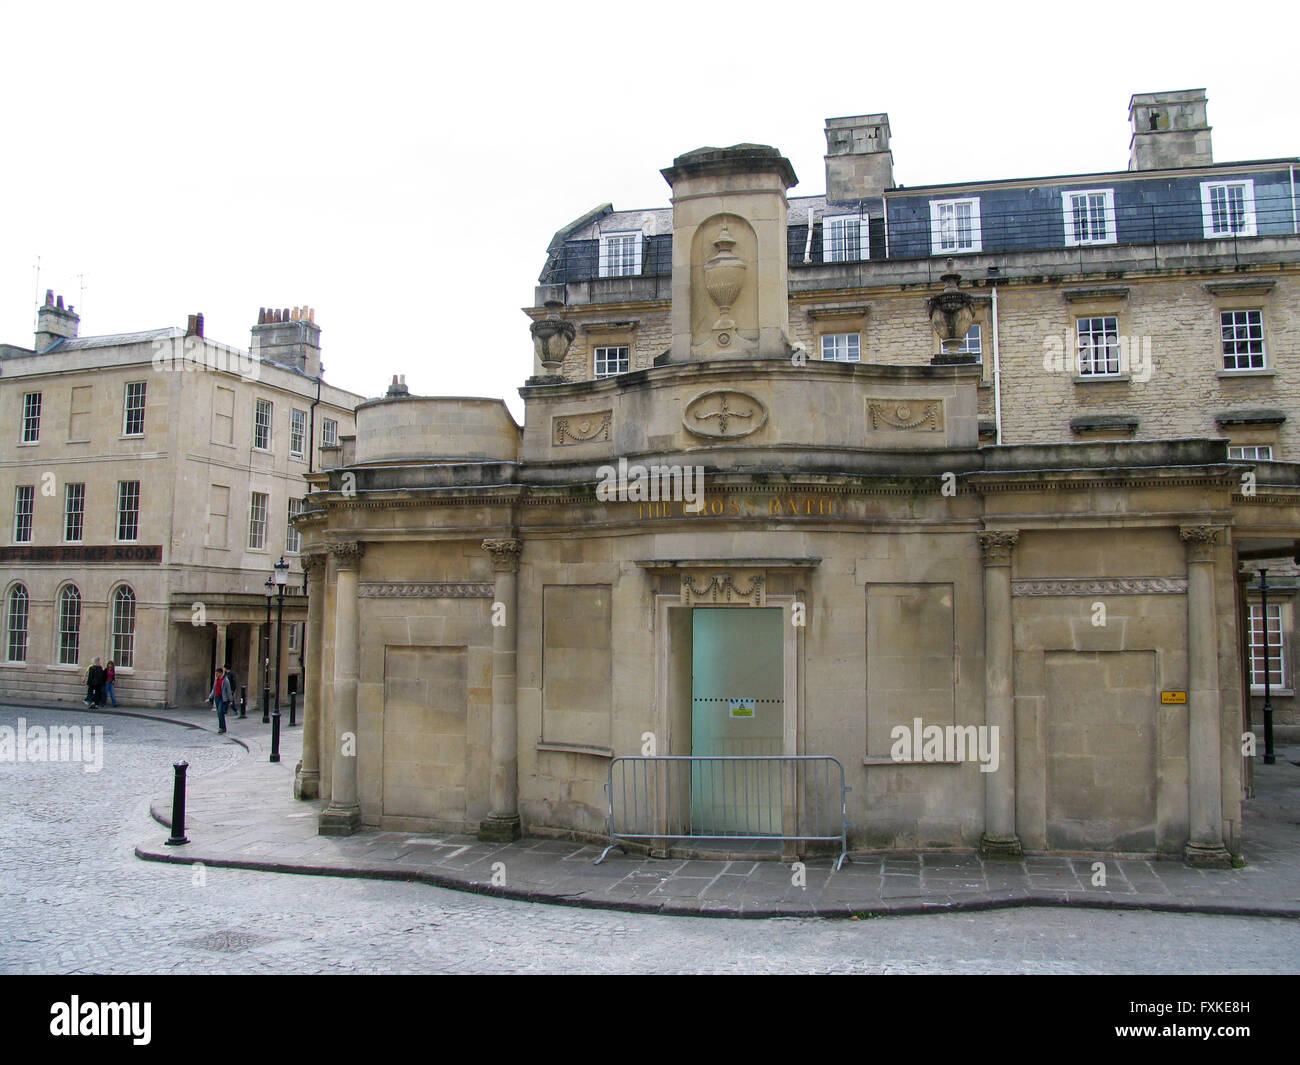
(245, 817)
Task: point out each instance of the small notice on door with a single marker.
(1173, 697)
(742, 707)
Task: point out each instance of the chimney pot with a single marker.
(60, 303)
(49, 297)
(198, 324)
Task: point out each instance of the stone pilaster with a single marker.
(502, 823)
(343, 815)
(1204, 705)
(1000, 838)
(306, 780)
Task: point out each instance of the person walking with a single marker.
(110, 675)
(95, 685)
(221, 696)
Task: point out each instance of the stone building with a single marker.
(152, 477)
(934, 490)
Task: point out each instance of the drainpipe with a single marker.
(807, 244)
(997, 372)
(884, 210)
(311, 429)
(1295, 225)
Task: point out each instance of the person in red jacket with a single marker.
(110, 675)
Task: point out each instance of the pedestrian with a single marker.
(221, 695)
(216, 683)
(110, 675)
(234, 692)
(95, 685)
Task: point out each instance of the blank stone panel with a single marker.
(425, 700)
(910, 655)
(577, 664)
(1101, 750)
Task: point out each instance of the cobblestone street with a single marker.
(74, 899)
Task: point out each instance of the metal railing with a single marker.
(727, 797)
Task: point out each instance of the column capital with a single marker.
(313, 565)
(347, 555)
(505, 554)
(1201, 540)
(997, 545)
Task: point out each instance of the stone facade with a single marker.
(195, 583)
(523, 620)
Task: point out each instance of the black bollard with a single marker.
(293, 708)
(266, 705)
(178, 806)
(275, 735)
(243, 701)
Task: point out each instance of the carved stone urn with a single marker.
(552, 336)
(952, 313)
(723, 276)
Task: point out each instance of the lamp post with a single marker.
(269, 588)
(1269, 757)
(281, 582)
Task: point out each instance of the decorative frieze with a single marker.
(1103, 586)
(921, 415)
(722, 588)
(567, 429)
(426, 590)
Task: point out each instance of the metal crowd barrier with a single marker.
(721, 797)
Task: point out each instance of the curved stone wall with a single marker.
(436, 427)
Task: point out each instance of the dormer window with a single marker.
(620, 254)
(955, 226)
(844, 238)
(1228, 208)
(1089, 217)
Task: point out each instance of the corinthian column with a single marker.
(502, 824)
(343, 815)
(306, 781)
(999, 695)
(1204, 708)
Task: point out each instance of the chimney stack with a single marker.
(290, 337)
(1169, 129)
(55, 322)
(194, 328)
(859, 163)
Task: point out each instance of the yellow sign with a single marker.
(742, 707)
(1173, 697)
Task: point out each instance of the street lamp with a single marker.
(281, 581)
(269, 588)
(1269, 757)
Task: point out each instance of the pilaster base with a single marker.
(497, 829)
(1207, 856)
(1001, 847)
(306, 783)
(339, 821)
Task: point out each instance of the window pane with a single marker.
(128, 510)
(257, 521)
(262, 425)
(611, 361)
(1243, 339)
(297, 432)
(74, 511)
(842, 347)
(69, 626)
(24, 498)
(17, 624)
(133, 421)
(1098, 346)
(124, 627)
(1270, 658)
(31, 417)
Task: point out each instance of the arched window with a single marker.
(123, 627)
(16, 624)
(69, 625)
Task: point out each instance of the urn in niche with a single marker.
(951, 313)
(724, 273)
(552, 336)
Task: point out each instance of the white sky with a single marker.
(402, 167)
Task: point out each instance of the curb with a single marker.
(839, 911)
